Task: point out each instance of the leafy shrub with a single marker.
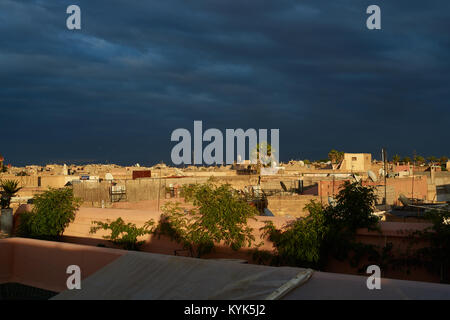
(326, 231)
(124, 234)
(53, 211)
(355, 204)
(219, 215)
(300, 241)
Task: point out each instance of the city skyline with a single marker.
(135, 72)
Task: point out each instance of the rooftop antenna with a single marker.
(384, 155)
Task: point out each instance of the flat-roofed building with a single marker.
(357, 162)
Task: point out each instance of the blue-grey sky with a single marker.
(137, 70)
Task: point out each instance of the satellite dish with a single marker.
(268, 213)
(109, 177)
(404, 200)
(301, 163)
(372, 176)
(331, 201)
(283, 186)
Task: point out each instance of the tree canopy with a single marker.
(219, 214)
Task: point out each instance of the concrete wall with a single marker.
(147, 189)
(395, 186)
(50, 260)
(397, 234)
(78, 232)
(357, 162)
(438, 185)
(292, 206)
(25, 181)
(94, 193)
(43, 264)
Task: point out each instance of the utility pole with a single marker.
(383, 151)
(412, 182)
(159, 188)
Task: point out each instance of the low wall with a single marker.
(43, 264)
(410, 187)
(395, 232)
(292, 206)
(78, 231)
(390, 232)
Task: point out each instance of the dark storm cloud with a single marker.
(115, 90)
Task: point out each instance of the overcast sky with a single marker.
(137, 70)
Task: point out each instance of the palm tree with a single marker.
(419, 159)
(432, 159)
(10, 188)
(406, 160)
(335, 156)
(263, 154)
(396, 158)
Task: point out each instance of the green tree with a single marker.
(124, 234)
(355, 204)
(326, 231)
(419, 159)
(219, 215)
(335, 156)
(406, 160)
(299, 243)
(53, 211)
(443, 160)
(10, 189)
(396, 158)
(267, 156)
(432, 159)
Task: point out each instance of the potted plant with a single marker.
(10, 189)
